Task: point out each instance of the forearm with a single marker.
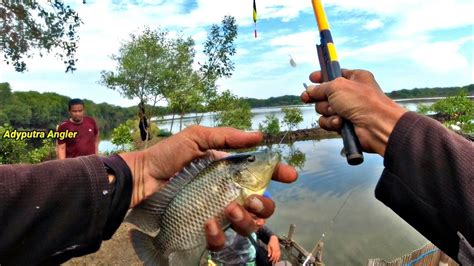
(97, 141)
(265, 234)
(380, 123)
(61, 151)
(428, 181)
(72, 200)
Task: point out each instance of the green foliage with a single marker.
(423, 108)
(295, 158)
(12, 151)
(274, 101)
(293, 116)
(122, 136)
(456, 111)
(33, 110)
(238, 114)
(430, 92)
(5, 93)
(141, 65)
(459, 109)
(19, 113)
(218, 48)
(45, 152)
(28, 25)
(271, 124)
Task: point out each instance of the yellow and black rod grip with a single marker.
(353, 150)
(331, 70)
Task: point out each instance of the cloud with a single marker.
(373, 24)
(404, 36)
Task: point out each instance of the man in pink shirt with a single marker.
(87, 139)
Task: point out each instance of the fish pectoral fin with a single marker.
(145, 250)
(190, 257)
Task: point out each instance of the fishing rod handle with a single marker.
(352, 146)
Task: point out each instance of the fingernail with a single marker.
(236, 213)
(335, 121)
(309, 90)
(212, 228)
(330, 109)
(256, 204)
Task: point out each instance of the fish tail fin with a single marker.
(145, 249)
(193, 257)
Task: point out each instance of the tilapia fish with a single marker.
(171, 222)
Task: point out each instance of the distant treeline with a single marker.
(274, 101)
(430, 92)
(399, 94)
(41, 111)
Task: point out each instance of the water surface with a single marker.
(364, 227)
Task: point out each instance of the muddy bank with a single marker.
(300, 134)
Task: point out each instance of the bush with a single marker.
(11, 150)
(271, 124)
(122, 136)
(293, 116)
(458, 111)
(239, 115)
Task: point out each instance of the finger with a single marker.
(316, 77)
(261, 206)
(348, 73)
(284, 173)
(218, 154)
(306, 98)
(241, 220)
(214, 235)
(222, 138)
(321, 92)
(332, 123)
(324, 108)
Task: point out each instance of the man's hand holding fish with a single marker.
(206, 196)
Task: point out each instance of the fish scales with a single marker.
(193, 207)
(200, 192)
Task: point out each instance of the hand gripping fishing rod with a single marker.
(331, 70)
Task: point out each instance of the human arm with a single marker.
(428, 169)
(97, 138)
(78, 203)
(273, 245)
(61, 150)
(60, 144)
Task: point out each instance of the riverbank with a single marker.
(300, 134)
(319, 133)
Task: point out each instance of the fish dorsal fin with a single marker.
(147, 215)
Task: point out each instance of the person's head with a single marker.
(76, 110)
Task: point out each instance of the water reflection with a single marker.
(310, 117)
(364, 228)
(290, 154)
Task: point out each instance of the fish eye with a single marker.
(251, 158)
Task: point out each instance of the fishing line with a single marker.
(333, 221)
(283, 137)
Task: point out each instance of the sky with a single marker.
(405, 43)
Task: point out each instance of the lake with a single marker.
(310, 118)
(364, 227)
